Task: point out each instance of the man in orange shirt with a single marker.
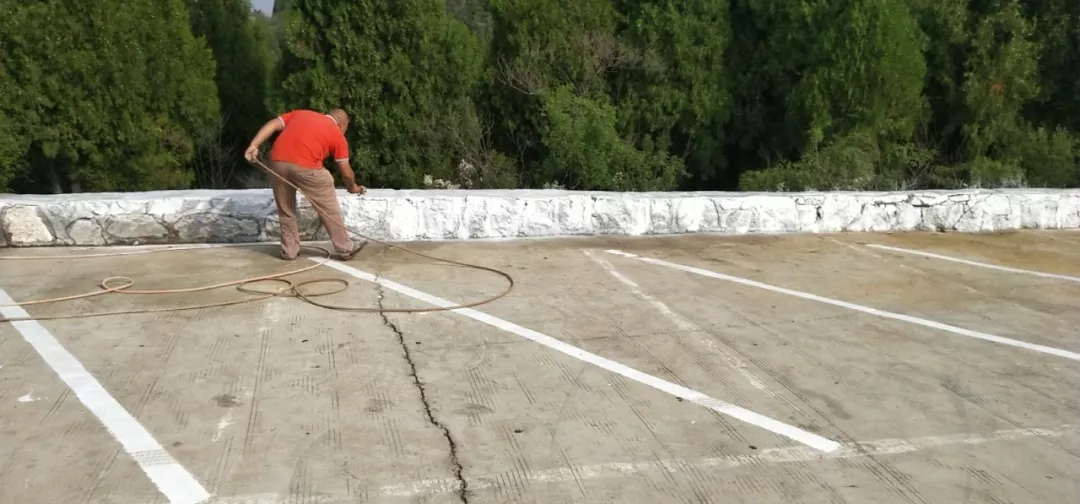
(307, 138)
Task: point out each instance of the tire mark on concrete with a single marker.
(23, 356)
(217, 474)
(672, 487)
(211, 369)
(672, 376)
(482, 387)
(253, 411)
(706, 484)
(216, 349)
(569, 375)
(330, 349)
(727, 426)
(148, 392)
(803, 472)
(295, 321)
(170, 343)
(335, 419)
(1023, 487)
(299, 484)
(881, 470)
(56, 405)
(77, 427)
(982, 403)
(97, 476)
(524, 390)
(954, 388)
(308, 383)
(379, 401)
(573, 471)
(180, 412)
(686, 326)
(391, 436)
(518, 475)
(6, 467)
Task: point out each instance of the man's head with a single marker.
(341, 117)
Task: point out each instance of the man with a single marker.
(307, 138)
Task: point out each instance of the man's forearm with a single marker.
(265, 132)
(347, 174)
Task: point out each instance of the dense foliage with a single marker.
(594, 94)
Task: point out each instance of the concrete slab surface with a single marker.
(842, 368)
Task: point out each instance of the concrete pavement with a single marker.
(757, 369)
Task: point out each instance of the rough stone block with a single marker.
(3, 232)
(134, 229)
(25, 226)
(574, 215)
(86, 231)
(620, 215)
(693, 214)
(539, 217)
(1068, 215)
(307, 223)
(207, 227)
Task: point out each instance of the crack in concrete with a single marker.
(463, 486)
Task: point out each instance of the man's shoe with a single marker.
(350, 255)
(285, 257)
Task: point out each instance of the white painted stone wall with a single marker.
(246, 216)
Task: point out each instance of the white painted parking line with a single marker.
(769, 456)
(852, 306)
(789, 431)
(171, 479)
(974, 263)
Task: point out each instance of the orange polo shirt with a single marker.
(308, 137)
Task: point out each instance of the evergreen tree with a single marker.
(676, 98)
(828, 93)
(595, 94)
(240, 49)
(105, 95)
(404, 71)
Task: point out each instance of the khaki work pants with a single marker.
(318, 186)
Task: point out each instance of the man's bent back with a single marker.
(308, 138)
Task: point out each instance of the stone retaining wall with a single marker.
(247, 216)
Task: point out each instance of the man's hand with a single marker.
(357, 189)
(252, 152)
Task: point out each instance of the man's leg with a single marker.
(285, 197)
(318, 185)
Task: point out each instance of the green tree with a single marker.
(539, 46)
(676, 98)
(11, 144)
(404, 71)
(107, 95)
(1056, 26)
(586, 152)
(830, 91)
(984, 73)
(281, 6)
(552, 90)
(1053, 156)
(240, 48)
